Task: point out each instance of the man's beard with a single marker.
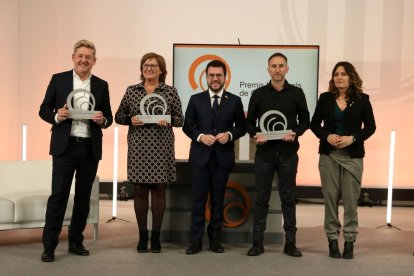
(216, 90)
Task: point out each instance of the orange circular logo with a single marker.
(237, 205)
(194, 66)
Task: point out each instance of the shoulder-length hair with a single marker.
(355, 82)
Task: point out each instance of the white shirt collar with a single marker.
(220, 94)
(77, 76)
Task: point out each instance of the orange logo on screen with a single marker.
(194, 66)
(235, 199)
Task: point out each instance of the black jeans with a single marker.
(286, 168)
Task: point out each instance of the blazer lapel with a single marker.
(69, 81)
(332, 105)
(224, 99)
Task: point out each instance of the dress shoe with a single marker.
(155, 242)
(216, 247)
(334, 249)
(348, 250)
(291, 250)
(78, 249)
(48, 255)
(194, 248)
(256, 249)
(142, 246)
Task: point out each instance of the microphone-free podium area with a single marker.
(238, 207)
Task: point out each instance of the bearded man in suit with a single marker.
(214, 120)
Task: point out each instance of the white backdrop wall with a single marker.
(375, 35)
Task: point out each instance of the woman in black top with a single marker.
(343, 120)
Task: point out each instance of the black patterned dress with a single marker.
(151, 155)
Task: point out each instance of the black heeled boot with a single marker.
(142, 246)
(334, 249)
(155, 242)
(348, 250)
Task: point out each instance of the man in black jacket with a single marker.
(76, 146)
(278, 96)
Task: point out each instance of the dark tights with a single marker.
(157, 204)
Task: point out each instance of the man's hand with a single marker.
(98, 118)
(63, 113)
(259, 139)
(208, 139)
(289, 137)
(223, 137)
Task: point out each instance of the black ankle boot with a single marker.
(291, 250)
(142, 246)
(256, 249)
(155, 242)
(334, 249)
(348, 250)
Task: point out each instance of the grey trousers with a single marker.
(341, 178)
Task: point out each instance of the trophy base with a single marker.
(87, 115)
(274, 135)
(154, 119)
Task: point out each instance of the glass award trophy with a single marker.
(273, 125)
(81, 104)
(153, 108)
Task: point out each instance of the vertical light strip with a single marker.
(24, 142)
(390, 176)
(115, 178)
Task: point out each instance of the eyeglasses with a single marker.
(150, 66)
(219, 76)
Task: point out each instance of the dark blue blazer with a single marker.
(200, 119)
(57, 92)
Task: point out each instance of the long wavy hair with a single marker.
(355, 82)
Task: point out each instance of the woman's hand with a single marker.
(135, 122)
(344, 141)
(163, 123)
(333, 139)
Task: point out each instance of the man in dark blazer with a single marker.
(76, 146)
(214, 119)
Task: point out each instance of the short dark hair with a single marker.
(277, 55)
(161, 65)
(217, 63)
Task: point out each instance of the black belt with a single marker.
(80, 139)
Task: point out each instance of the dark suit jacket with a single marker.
(359, 122)
(200, 119)
(57, 92)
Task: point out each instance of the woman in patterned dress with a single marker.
(151, 159)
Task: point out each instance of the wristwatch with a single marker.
(353, 139)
